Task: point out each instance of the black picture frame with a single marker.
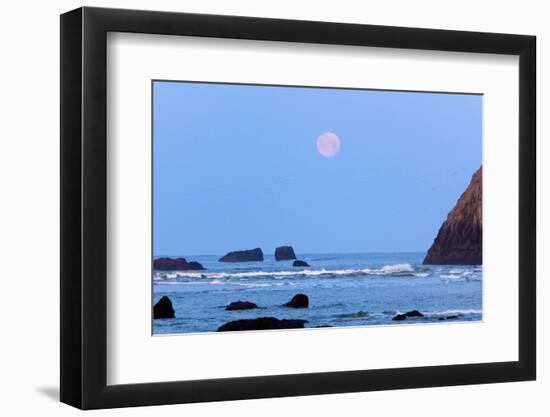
(84, 207)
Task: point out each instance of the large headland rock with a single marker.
(459, 241)
(251, 255)
(176, 264)
(284, 253)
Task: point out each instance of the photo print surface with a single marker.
(285, 207)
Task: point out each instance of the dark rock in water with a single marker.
(300, 263)
(194, 265)
(252, 255)
(298, 301)
(176, 264)
(163, 309)
(262, 323)
(448, 317)
(284, 253)
(414, 313)
(240, 305)
(459, 239)
(323, 325)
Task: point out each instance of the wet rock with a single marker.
(261, 323)
(454, 316)
(163, 309)
(176, 264)
(298, 301)
(299, 263)
(240, 305)
(284, 253)
(459, 240)
(414, 313)
(251, 255)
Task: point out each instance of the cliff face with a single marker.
(459, 241)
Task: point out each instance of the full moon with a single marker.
(328, 144)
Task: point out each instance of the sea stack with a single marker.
(251, 255)
(459, 241)
(284, 253)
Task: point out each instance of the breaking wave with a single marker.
(387, 270)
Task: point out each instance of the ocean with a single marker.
(343, 290)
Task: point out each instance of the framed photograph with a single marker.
(257, 208)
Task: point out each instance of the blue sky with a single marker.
(236, 167)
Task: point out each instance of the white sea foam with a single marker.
(397, 268)
(454, 312)
(386, 270)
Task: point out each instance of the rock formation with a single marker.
(284, 253)
(298, 263)
(413, 313)
(262, 323)
(163, 309)
(176, 264)
(459, 239)
(298, 301)
(252, 255)
(240, 305)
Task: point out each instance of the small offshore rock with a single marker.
(400, 317)
(299, 263)
(163, 309)
(414, 313)
(261, 323)
(240, 305)
(298, 301)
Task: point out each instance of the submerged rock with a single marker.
(240, 305)
(449, 317)
(414, 313)
(284, 253)
(251, 255)
(163, 309)
(300, 263)
(176, 264)
(298, 301)
(261, 323)
(459, 241)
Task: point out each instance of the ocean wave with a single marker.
(457, 312)
(387, 270)
(461, 275)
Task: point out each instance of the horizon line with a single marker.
(302, 253)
